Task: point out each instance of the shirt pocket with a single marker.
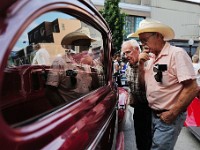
(165, 78)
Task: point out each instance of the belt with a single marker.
(158, 112)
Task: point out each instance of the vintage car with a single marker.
(192, 121)
(62, 96)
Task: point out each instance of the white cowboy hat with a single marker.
(82, 33)
(149, 25)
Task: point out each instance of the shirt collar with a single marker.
(164, 51)
(134, 66)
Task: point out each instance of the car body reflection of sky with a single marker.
(50, 16)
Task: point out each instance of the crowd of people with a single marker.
(70, 75)
(163, 80)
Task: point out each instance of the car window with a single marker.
(57, 60)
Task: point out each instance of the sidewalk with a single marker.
(186, 140)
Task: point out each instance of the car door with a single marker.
(69, 103)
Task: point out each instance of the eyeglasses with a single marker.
(145, 40)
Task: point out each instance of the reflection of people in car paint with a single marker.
(41, 57)
(66, 80)
(84, 78)
(98, 65)
(61, 81)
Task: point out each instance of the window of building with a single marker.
(131, 24)
(63, 26)
(42, 31)
(36, 34)
(30, 38)
(56, 28)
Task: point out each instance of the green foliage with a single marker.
(116, 20)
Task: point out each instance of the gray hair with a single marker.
(132, 42)
(195, 58)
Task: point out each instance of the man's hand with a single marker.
(168, 117)
(144, 56)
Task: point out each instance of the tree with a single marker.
(116, 20)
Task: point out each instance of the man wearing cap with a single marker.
(170, 82)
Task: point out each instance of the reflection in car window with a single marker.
(31, 86)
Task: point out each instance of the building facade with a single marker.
(182, 16)
(53, 36)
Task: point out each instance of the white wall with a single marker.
(184, 18)
(129, 8)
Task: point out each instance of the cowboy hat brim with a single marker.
(165, 30)
(68, 39)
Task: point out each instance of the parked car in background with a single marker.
(192, 121)
(87, 109)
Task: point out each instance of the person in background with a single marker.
(41, 56)
(123, 67)
(137, 94)
(196, 65)
(116, 69)
(170, 82)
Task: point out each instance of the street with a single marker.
(186, 140)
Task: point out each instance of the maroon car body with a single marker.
(27, 120)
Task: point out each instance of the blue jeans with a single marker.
(165, 135)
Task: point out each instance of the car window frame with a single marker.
(66, 7)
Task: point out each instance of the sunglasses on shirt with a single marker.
(159, 68)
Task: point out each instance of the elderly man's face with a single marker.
(151, 40)
(131, 53)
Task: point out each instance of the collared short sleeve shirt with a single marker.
(163, 95)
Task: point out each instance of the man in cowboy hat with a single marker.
(170, 82)
(80, 37)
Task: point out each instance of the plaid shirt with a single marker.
(132, 76)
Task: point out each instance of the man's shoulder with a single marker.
(175, 49)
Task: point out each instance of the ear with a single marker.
(137, 49)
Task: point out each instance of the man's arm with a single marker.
(141, 75)
(143, 57)
(190, 90)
